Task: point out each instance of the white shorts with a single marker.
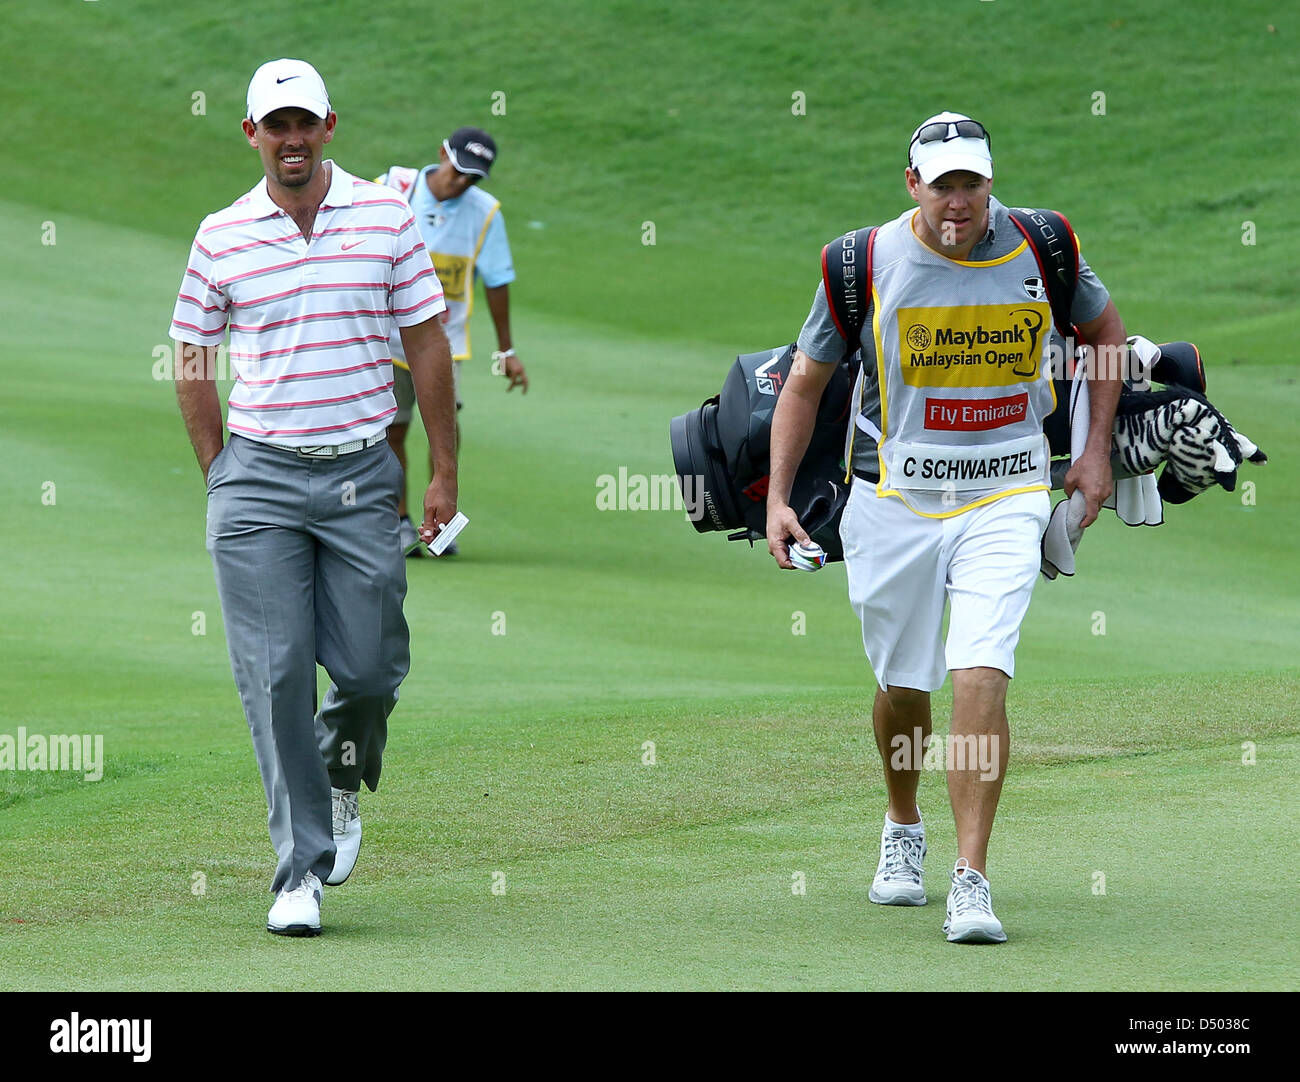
(902, 567)
(404, 392)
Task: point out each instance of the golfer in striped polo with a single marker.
(307, 272)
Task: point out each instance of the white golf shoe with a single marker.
(347, 835)
(970, 909)
(898, 875)
(297, 911)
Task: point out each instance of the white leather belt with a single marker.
(331, 451)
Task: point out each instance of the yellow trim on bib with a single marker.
(473, 273)
(882, 380)
(966, 262)
(961, 510)
(862, 390)
(881, 490)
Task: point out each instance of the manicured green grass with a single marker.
(521, 752)
(678, 875)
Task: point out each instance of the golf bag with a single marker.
(720, 451)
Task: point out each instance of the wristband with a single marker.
(499, 358)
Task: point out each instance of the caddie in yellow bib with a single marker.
(465, 236)
(964, 387)
(950, 475)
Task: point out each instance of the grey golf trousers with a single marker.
(309, 569)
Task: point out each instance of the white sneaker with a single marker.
(347, 835)
(898, 875)
(970, 909)
(409, 538)
(297, 911)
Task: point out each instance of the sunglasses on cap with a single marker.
(938, 132)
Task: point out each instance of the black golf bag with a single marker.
(720, 451)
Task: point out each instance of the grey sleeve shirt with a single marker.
(819, 338)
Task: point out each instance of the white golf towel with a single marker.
(1136, 500)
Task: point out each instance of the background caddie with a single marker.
(465, 233)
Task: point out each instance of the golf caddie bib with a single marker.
(963, 368)
(454, 243)
(454, 238)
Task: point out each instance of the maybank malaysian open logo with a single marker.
(979, 345)
(453, 273)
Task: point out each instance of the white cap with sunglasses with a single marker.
(947, 142)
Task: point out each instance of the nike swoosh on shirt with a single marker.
(345, 247)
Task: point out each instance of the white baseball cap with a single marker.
(281, 84)
(962, 144)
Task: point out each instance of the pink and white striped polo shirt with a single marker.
(309, 322)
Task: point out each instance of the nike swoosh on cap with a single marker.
(286, 79)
